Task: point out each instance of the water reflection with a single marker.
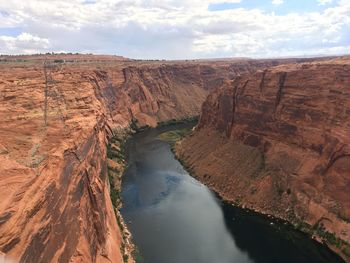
(176, 219)
(272, 242)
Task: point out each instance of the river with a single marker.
(174, 218)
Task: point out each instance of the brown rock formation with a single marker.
(278, 141)
(54, 126)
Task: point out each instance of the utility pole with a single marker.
(45, 92)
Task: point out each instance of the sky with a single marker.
(176, 29)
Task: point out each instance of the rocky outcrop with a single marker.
(278, 141)
(55, 121)
(55, 197)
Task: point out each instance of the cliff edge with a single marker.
(278, 142)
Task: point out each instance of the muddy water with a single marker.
(175, 219)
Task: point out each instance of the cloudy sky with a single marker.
(175, 29)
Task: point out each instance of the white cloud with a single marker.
(170, 29)
(278, 2)
(24, 43)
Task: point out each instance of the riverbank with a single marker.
(116, 166)
(316, 232)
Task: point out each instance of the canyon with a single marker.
(57, 114)
(277, 142)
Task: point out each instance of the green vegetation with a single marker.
(174, 121)
(332, 239)
(134, 124)
(175, 135)
(116, 164)
(115, 152)
(238, 201)
(303, 226)
(115, 148)
(346, 251)
(143, 128)
(121, 226)
(319, 230)
(115, 194)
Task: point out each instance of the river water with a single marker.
(176, 219)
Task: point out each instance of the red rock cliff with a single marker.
(54, 126)
(278, 141)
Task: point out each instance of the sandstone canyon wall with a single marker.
(278, 142)
(55, 121)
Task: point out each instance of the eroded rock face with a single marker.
(54, 190)
(278, 141)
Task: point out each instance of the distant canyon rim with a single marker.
(273, 136)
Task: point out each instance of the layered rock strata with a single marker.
(56, 117)
(278, 142)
